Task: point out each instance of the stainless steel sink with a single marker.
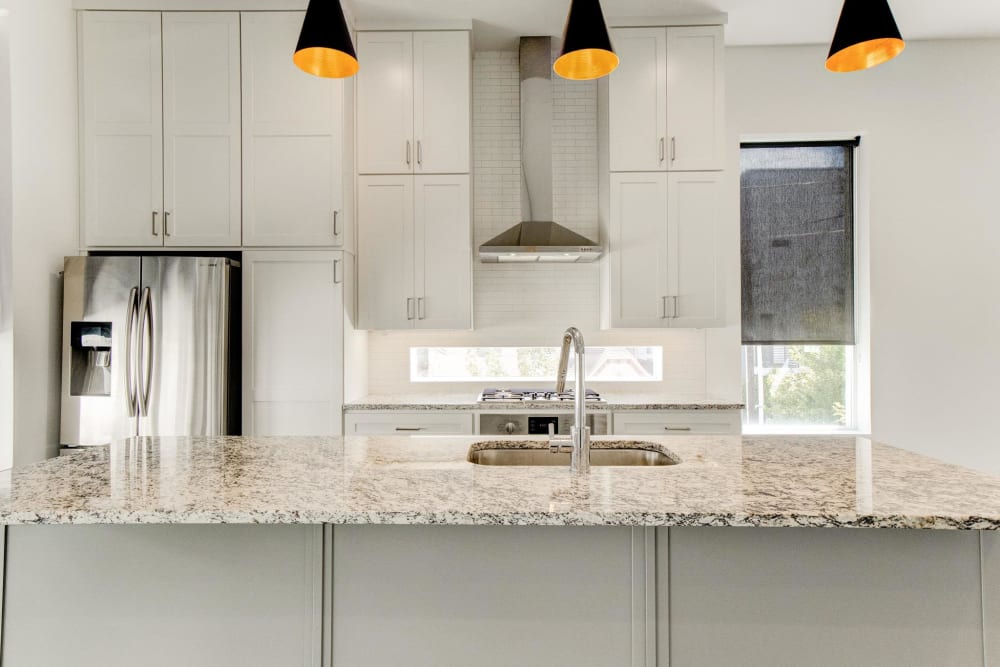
(538, 454)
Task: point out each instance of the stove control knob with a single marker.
(510, 428)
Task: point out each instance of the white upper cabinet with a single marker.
(293, 345)
(443, 249)
(385, 252)
(665, 101)
(201, 129)
(415, 252)
(385, 103)
(122, 143)
(441, 102)
(637, 101)
(293, 141)
(694, 273)
(695, 110)
(161, 118)
(414, 102)
(664, 268)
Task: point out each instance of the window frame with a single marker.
(859, 391)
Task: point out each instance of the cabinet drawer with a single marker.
(408, 423)
(678, 422)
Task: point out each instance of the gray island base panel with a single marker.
(631, 595)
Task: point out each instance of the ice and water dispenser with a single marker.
(90, 366)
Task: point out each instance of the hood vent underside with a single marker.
(539, 242)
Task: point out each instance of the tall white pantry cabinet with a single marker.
(414, 199)
(664, 161)
(198, 131)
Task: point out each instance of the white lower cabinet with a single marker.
(414, 252)
(293, 341)
(665, 265)
(678, 422)
(408, 423)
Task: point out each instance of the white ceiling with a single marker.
(499, 22)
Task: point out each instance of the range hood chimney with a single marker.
(537, 238)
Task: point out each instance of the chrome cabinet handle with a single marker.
(409, 308)
(406, 428)
(407, 152)
(661, 150)
(676, 315)
(131, 313)
(421, 309)
(673, 148)
(336, 265)
(336, 227)
(420, 152)
(664, 309)
(676, 428)
(166, 223)
(145, 352)
(155, 232)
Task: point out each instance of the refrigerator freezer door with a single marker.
(98, 300)
(184, 339)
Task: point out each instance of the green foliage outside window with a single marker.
(812, 393)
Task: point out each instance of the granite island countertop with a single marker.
(762, 481)
(613, 402)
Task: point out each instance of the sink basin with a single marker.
(538, 454)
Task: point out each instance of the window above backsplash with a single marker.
(505, 365)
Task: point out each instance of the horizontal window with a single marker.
(507, 365)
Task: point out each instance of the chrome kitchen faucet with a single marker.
(579, 435)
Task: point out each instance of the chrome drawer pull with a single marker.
(677, 428)
(404, 428)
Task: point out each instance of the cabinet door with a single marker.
(695, 123)
(201, 128)
(695, 280)
(443, 246)
(677, 422)
(409, 423)
(385, 103)
(292, 140)
(385, 252)
(293, 341)
(441, 103)
(638, 250)
(122, 118)
(637, 101)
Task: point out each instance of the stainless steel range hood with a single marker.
(537, 239)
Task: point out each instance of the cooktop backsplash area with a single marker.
(518, 305)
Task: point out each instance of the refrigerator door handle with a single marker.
(131, 314)
(145, 348)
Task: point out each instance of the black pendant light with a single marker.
(866, 36)
(325, 47)
(586, 50)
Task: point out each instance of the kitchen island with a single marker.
(397, 550)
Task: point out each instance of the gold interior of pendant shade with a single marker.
(586, 64)
(865, 54)
(329, 63)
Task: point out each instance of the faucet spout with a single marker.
(580, 433)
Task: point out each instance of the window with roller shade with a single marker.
(797, 215)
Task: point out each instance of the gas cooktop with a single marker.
(524, 395)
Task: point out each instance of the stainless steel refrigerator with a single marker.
(150, 347)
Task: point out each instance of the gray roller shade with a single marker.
(797, 232)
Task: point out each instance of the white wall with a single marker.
(931, 124)
(45, 209)
(532, 305)
(6, 233)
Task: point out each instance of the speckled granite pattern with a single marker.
(721, 481)
(455, 402)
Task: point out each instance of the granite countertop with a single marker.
(721, 481)
(613, 401)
